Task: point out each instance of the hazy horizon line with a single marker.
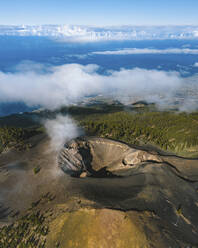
(108, 25)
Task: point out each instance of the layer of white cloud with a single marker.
(90, 33)
(131, 51)
(70, 83)
(195, 64)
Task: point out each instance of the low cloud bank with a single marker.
(131, 51)
(70, 83)
(195, 64)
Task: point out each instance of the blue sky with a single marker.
(99, 12)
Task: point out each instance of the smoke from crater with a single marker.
(60, 130)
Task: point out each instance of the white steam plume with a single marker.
(60, 130)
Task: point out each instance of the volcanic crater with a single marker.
(101, 157)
